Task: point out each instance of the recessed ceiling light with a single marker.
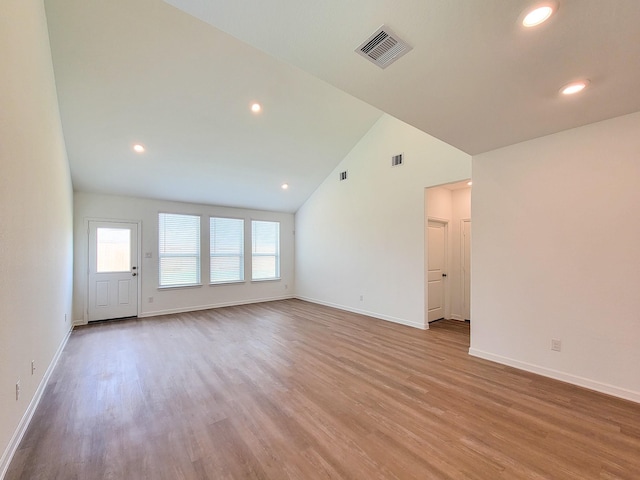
(574, 87)
(285, 186)
(539, 14)
(256, 107)
(138, 148)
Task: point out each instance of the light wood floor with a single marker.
(295, 390)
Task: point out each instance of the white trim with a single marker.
(462, 276)
(557, 375)
(175, 287)
(14, 443)
(459, 318)
(196, 308)
(379, 316)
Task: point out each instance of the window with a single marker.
(265, 251)
(113, 252)
(179, 248)
(227, 249)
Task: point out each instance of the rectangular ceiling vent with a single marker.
(383, 47)
(397, 160)
(343, 175)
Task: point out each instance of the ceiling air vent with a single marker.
(383, 47)
(397, 160)
(343, 175)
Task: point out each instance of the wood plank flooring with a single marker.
(293, 390)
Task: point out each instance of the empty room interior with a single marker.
(305, 240)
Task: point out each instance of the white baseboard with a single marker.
(380, 316)
(557, 375)
(197, 308)
(11, 449)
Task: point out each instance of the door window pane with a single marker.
(114, 250)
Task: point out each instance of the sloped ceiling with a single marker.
(475, 78)
(180, 80)
(141, 71)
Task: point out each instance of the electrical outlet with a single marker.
(17, 390)
(286, 286)
(556, 345)
(150, 299)
(65, 318)
(362, 298)
(33, 367)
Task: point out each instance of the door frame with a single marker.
(462, 275)
(447, 300)
(138, 247)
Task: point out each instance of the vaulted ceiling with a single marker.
(179, 76)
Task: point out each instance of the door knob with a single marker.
(444, 274)
(134, 274)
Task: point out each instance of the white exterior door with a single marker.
(113, 270)
(436, 275)
(466, 268)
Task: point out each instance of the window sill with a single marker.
(235, 282)
(260, 280)
(174, 287)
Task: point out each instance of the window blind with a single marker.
(226, 249)
(179, 247)
(265, 251)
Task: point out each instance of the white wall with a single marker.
(438, 203)
(451, 206)
(556, 255)
(35, 218)
(108, 207)
(365, 236)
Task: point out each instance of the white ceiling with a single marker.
(141, 70)
(131, 71)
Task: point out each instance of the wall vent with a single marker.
(343, 175)
(383, 47)
(397, 160)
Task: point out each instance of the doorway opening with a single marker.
(448, 252)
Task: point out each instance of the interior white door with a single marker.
(113, 270)
(466, 268)
(437, 274)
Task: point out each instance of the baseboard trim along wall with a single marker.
(197, 308)
(557, 375)
(10, 451)
(379, 316)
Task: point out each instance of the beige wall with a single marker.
(35, 216)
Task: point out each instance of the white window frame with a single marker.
(255, 254)
(196, 255)
(213, 254)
